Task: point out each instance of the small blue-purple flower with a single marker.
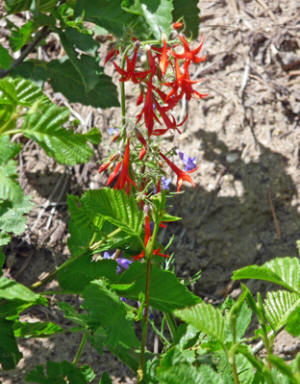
(122, 261)
(189, 162)
(165, 183)
(113, 131)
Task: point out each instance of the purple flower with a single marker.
(123, 299)
(123, 262)
(112, 131)
(165, 183)
(188, 161)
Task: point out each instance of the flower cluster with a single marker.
(162, 83)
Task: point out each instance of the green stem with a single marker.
(80, 349)
(52, 274)
(171, 324)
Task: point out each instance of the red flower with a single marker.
(110, 54)
(140, 137)
(184, 82)
(147, 111)
(124, 179)
(190, 55)
(181, 175)
(164, 60)
(146, 239)
(130, 73)
(104, 166)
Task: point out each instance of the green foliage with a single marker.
(11, 290)
(9, 352)
(105, 379)
(5, 58)
(206, 318)
(282, 271)
(166, 292)
(106, 310)
(77, 275)
(37, 329)
(191, 14)
(60, 373)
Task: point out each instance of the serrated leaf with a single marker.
(206, 318)
(65, 79)
(9, 353)
(9, 187)
(166, 292)
(158, 15)
(278, 305)
(77, 275)
(8, 149)
(21, 91)
(14, 6)
(283, 367)
(12, 217)
(37, 329)
(11, 290)
(61, 373)
(5, 58)
(191, 14)
(185, 373)
(107, 310)
(283, 271)
(116, 207)
(45, 127)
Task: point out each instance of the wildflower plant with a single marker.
(117, 265)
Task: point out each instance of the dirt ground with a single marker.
(245, 208)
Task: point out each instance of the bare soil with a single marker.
(245, 208)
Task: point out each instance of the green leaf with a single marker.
(82, 41)
(70, 313)
(107, 310)
(240, 316)
(10, 290)
(185, 373)
(58, 373)
(107, 14)
(105, 379)
(33, 70)
(282, 271)
(293, 322)
(77, 275)
(90, 77)
(190, 12)
(116, 207)
(9, 187)
(65, 79)
(21, 36)
(12, 217)
(38, 329)
(14, 6)
(206, 318)
(45, 127)
(281, 365)
(158, 15)
(46, 5)
(278, 305)
(8, 149)
(9, 353)
(5, 58)
(20, 91)
(166, 292)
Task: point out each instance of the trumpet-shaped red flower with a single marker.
(110, 54)
(184, 82)
(181, 175)
(124, 179)
(164, 58)
(141, 139)
(131, 73)
(148, 111)
(146, 239)
(189, 55)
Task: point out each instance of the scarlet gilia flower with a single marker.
(146, 239)
(181, 175)
(164, 58)
(104, 166)
(131, 73)
(140, 137)
(110, 54)
(124, 180)
(184, 82)
(190, 55)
